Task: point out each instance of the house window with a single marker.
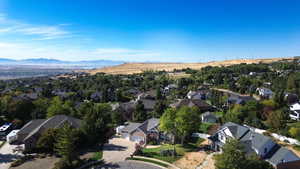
(221, 137)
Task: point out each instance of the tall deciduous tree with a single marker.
(96, 123)
(186, 121)
(167, 122)
(139, 115)
(181, 122)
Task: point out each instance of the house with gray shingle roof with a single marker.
(253, 142)
(141, 132)
(30, 133)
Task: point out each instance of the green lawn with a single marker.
(180, 150)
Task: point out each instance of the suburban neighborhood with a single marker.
(149, 84)
(154, 120)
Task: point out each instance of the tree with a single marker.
(139, 115)
(56, 107)
(159, 108)
(167, 122)
(291, 83)
(276, 120)
(159, 95)
(40, 108)
(96, 124)
(66, 144)
(233, 156)
(254, 161)
(295, 132)
(186, 121)
(279, 98)
(116, 118)
(47, 140)
(181, 122)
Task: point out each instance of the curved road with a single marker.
(126, 165)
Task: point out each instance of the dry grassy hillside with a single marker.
(130, 68)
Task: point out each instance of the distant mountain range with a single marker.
(59, 63)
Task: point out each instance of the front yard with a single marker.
(181, 150)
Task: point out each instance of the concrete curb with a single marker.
(144, 162)
(153, 159)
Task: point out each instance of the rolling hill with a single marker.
(131, 68)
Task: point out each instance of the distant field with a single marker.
(131, 68)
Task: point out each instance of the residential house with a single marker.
(96, 96)
(128, 108)
(201, 94)
(202, 105)
(265, 92)
(141, 132)
(237, 99)
(209, 117)
(295, 111)
(30, 133)
(170, 87)
(291, 98)
(253, 142)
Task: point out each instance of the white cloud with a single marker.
(125, 53)
(27, 50)
(39, 32)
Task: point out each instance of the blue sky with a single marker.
(149, 30)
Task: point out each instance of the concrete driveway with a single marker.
(7, 155)
(117, 150)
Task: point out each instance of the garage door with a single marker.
(136, 139)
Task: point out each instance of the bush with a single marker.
(204, 127)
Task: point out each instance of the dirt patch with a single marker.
(131, 68)
(39, 163)
(209, 163)
(191, 160)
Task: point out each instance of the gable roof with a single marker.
(149, 124)
(30, 126)
(281, 154)
(191, 103)
(131, 127)
(148, 103)
(255, 141)
(236, 130)
(40, 125)
(144, 127)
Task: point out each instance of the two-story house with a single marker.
(141, 132)
(256, 143)
(265, 92)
